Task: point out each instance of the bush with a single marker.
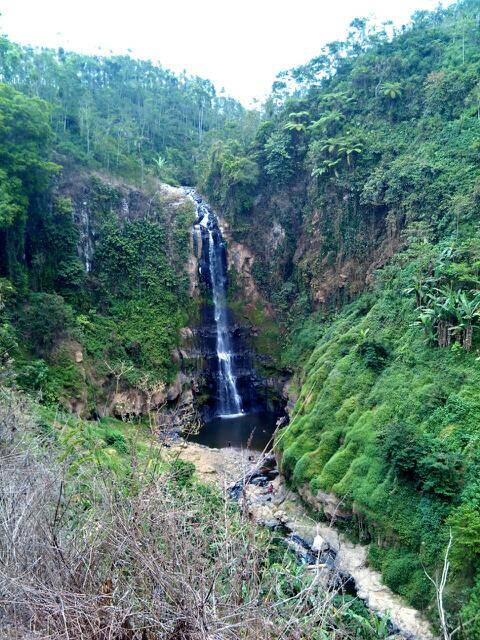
(116, 440)
(44, 319)
(374, 354)
(182, 472)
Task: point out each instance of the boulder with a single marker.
(175, 389)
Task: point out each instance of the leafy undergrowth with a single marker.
(388, 421)
(73, 339)
(105, 537)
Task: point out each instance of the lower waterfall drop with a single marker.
(229, 401)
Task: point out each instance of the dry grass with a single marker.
(117, 562)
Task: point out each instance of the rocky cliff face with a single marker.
(305, 250)
(338, 256)
(95, 196)
(103, 387)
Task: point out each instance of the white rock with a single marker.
(319, 544)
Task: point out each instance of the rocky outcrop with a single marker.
(143, 400)
(241, 259)
(326, 503)
(94, 195)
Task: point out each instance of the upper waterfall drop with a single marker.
(229, 401)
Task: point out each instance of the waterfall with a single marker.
(229, 402)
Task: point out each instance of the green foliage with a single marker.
(374, 354)
(368, 150)
(25, 137)
(376, 133)
(447, 310)
(278, 155)
(115, 439)
(140, 294)
(402, 573)
(25, 142)
(110, 478)
(124, 313)
(52, 240)
(392, 430)
(424, 460)
(232, 175)
(119, 113)
(182, 472)
(45, 319)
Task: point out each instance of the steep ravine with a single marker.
(269, 503)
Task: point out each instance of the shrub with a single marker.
(116, 440)
(44, 319)
(374, 354)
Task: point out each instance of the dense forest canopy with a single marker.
(131, 117)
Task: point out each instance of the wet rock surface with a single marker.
(343, 563)
(254, 481)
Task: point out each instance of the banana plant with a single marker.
(467, 310)
(426, 321)
(160, 164)
(420, 287)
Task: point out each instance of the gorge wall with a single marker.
(357, 200)
(104, 331)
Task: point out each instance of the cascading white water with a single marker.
(229, 400)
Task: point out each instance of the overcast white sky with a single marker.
(240, 45)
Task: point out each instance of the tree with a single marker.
(25, 170)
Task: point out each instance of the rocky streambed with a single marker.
(263, 495)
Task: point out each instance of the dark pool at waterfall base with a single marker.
(236, 431)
